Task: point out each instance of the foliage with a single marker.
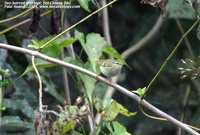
(129, 22)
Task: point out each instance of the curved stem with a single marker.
(40, 84)
(149, 116)
(144, 40)
(170, 56)
(162, 119)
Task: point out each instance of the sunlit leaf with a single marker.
(32, 46)
(84, 4)
(2, 108)
(119, 129)
(140, 91)
(53, 51)
(89, 82)
(69, 126)
(36, 44)
(124, 111)
(66, 43)
(114, 109)
(42, 64)
(93, 46)
(111, 112)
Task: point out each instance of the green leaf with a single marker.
(32, 46)
(69, 126)
(111, 51)
(84, 4)
(73, 111)
(15, 124)
(180, 9)
(61, 41)
(21, 105)
(76, 133)
(80, 36)
(140, 91)
(23, 90)
(67, 42)
(111, 112)
(98, 103)
(42, 64)
(114, 109)
(93, 46)
(2, 108)
(122, 110)
(36, 44)
(89, 82)
(53, 51)
(119, 129)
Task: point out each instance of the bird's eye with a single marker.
(116, 62)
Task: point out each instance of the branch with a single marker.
(93, 75)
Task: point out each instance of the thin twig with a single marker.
(121, 89)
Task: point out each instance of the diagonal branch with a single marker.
(93, 75)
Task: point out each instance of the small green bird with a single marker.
(110, 67)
